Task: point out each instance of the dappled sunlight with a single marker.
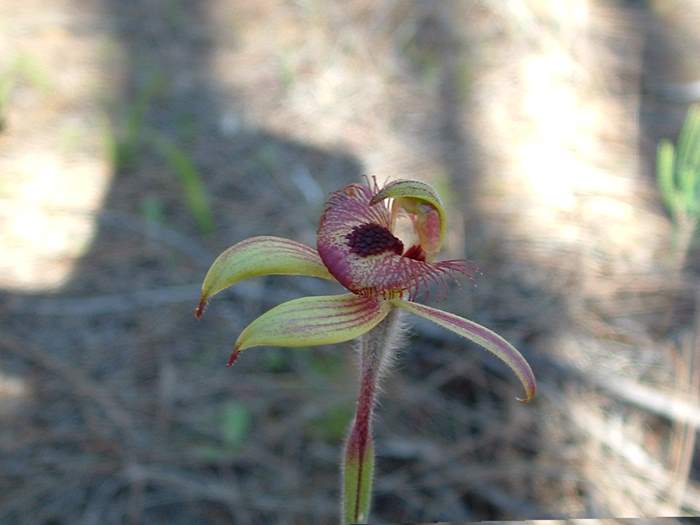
(48, 217)
(140, 138)
(14, 390)
(566, 147)
(580, 220)
(55, 161)
(357, 94)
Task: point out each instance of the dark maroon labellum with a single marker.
(373, 239)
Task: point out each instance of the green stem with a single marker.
(358, 460)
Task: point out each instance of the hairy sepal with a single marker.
(257, 256)
(482, 336)
(423, 205)
(312, 321)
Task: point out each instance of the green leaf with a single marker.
(358, 476)
(694, 139)
(665, 175)
(678, 172)
(686, 186)
(689, 138)
(332, 424)
(235, 423)
(192, 185)
(152, 210)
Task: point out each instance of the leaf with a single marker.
(689, 138)
(152, 210)
(264, 255)
(694, 140)
(192, 185)
(331, 425)
(665, 158)
(358, 476)
(678, 170)
(481, 335)
(235, 423)
(312, 321)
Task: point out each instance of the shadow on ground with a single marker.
(132, 416)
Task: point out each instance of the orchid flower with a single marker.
(357, 247)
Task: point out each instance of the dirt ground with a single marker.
(138, 139)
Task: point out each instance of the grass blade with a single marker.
(192, 185)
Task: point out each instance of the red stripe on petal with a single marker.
(257, 256)
(481, 335)
(313, 321)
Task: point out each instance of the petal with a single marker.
(351, 207)
(423, 205)
(312, 321)
(371, 264)
(491, 341)
(260, 256)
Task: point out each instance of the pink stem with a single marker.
(361, 433)
(375, 347)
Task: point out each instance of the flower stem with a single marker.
(358, 460)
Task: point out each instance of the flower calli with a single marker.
(356, 246)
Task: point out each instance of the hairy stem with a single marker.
(376, 348)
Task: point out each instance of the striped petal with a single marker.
(423, 205)
(355, 242)
(258, 256)
(312, 321)
(491, 341)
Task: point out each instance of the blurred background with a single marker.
(138, 139)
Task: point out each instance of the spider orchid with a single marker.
(357, 247)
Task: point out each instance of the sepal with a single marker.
(482, 336)
(312, 321)
(257, 256)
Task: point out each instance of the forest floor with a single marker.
(138, 139)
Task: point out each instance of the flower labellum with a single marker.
(357, 244)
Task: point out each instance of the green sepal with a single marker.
(257, 256)
(312, 321)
